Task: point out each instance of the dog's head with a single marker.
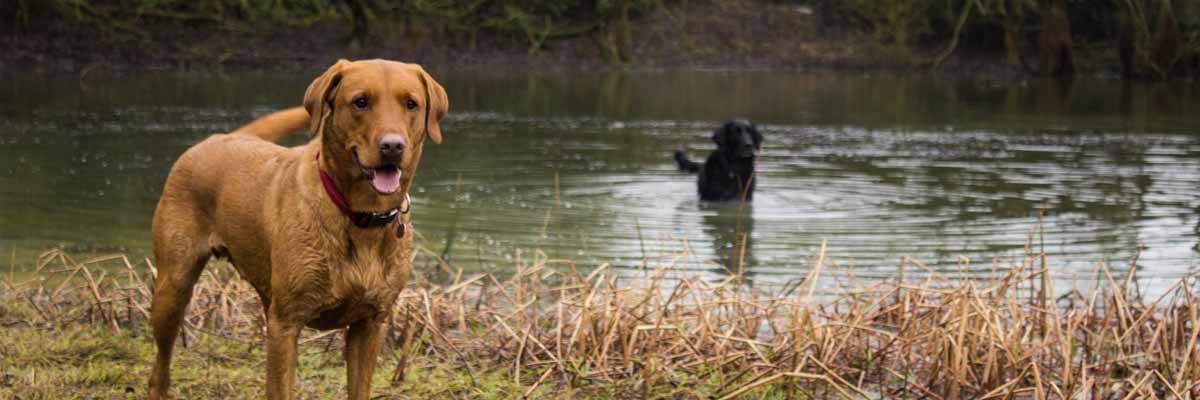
(373, 117)
(738, 139)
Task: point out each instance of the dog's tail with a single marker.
(684, 163)
(277, 125)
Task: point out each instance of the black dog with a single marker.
(728, 174)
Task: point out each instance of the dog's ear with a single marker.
(758, 138)
(318, 97)
(718, 136)
(437, 105)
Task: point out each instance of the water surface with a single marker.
(577, 166)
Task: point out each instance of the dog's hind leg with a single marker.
(180, 250)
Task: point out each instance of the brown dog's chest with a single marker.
(344, 314)
(343, 306)
(359, 286)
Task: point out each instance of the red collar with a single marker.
(361, 219)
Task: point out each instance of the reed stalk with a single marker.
(552, 329)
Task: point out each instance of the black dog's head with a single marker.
(738, 139)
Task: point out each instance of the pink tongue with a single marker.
(386, 180)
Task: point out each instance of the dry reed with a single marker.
(548, 324)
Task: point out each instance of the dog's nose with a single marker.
(391, 147)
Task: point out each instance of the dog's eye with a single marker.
(412, 105)
(361, 103)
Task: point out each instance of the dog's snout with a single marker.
(747, 140)
(746, 146)
(391, 147)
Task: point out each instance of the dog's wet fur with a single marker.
(728, 173)
(265, 208)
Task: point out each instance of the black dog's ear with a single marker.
(758, 138)
(719, 136)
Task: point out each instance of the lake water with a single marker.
(578, 166)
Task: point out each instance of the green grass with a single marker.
(83, 361)
(94, 363)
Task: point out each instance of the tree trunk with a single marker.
(621, 34)
(358, 12)
(1054, 42)
(1165, 48)
(1125, 46)
(614, 37)
(1014, 15)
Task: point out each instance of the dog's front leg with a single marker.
(281, 357)
(363, 341)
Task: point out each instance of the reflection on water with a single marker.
(731, 227)
(579, 166)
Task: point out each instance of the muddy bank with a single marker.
(720, 35)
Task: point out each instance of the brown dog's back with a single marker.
(206, 196)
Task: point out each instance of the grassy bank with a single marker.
(550, 330)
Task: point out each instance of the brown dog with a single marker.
(319, 230)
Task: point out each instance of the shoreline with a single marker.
(706, 36)
(975, 39)
(979, 66)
